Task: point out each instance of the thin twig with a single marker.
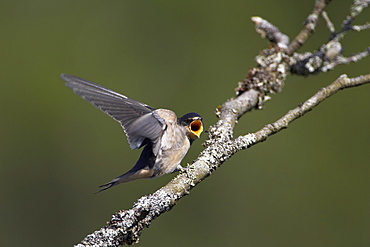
(341, 83)
(330, 54)
(329, 23)
(309, 28)
(271, 32)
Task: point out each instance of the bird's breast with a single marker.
(174, 146)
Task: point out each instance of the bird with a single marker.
(164, 137)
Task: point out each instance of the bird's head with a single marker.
(193, 123)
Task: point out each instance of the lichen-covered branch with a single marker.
(271, 32)
(329, 55)
(341, 83)
(309, 27)
(268, 77)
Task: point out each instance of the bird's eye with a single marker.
(196, 125)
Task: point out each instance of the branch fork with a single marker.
(268, 77)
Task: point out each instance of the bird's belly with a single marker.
(170, 159)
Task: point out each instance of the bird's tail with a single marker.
(127, 177)
(106, 186)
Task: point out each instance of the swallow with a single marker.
(165, 139)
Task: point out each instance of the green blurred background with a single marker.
(306, 186)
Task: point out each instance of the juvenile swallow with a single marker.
(165, 138)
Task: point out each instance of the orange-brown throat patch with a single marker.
(196, 127)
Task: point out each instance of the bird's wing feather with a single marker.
(137, 119)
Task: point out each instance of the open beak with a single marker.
(196, 127)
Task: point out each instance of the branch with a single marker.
(341, 83)
(330, 55)
(268, 77)
(309, 27)
(125, 226)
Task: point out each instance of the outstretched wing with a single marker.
(139, 120)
